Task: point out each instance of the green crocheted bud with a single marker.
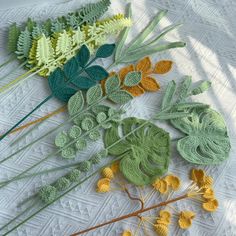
(84, 166)
(75, 131)
(48, 193)
(96, 159)
(94, 135)
(81, 144)
(74, 175)
(68, 153)
(87, 124)
(62, 184)
(101, 116)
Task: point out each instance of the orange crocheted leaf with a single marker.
(124, 71)
(162, 67)
(150, 84)
(135, 90)
(144, 65)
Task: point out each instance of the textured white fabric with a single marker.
(209, 29)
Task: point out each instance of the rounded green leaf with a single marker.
(112, 84)
(133, 78)
(81, 144)
(68, 153)
(94, 135)
(96, 73)
(75, 103)
(94, 94)
(101, 116)
(145, 152)
(120, 97)
(207, 141)
(87, 124)
(75, 131)
(61, 139)
(105, 50)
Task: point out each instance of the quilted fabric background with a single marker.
(209, 29)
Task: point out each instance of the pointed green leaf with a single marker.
(105, 50)
(184, 88)
(96, 72)
(120, 97)
(204, 86)
(83, 82)
(169, 94)
(172, 115)
(71, 68)
(83, 56)
(94, 94)
(76, 103)
(112, 84)
(132, 78)
(190, 105)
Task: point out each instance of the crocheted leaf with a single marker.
(76, 103)
(13, 35)
(83, 82)
(120, 97)
(83, 56)
(78, 37)
(105, 50)
(132, 78)
(123, 36)
(71, 69)
(96, 72)
(169, 94)
(145, 152)
(204, 86)
(30, 24)
(184, 88)
(57, 26)
(112, 84)
(62, 139)
(24, 44)
(93, 11)
(207, 141)
(94, 94)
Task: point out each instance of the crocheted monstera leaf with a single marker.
(207, 141)
(145, 149)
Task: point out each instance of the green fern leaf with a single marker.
(13, 35)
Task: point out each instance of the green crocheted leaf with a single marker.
(94, 135)
(24, 44)
(105, 50)
(75, 103)
(203, 86)
(68, 153)
(169, 94)
(83, 56)
(72, 20)
(207, 141)
(101, 117)
(30, 24)
(132, 78)
(57, 26)
(120, 97)
(112, 84)
(100, 108)
(87, 124)
(62, 139)
(145, 152)
(91, 12)
(94, 94)
(13, 35)
(81, 144)
(184, 88)
(75, 131)
(96, 72)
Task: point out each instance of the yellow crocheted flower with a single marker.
(173, 181)
(208, 193)
(103, 185)
(161, 229)
(160, 185)
(210, 205)
(115, 167)
(127, 233)
(107, 173)
(185, 219)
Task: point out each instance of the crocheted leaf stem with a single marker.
(140, 47)
(61, 81)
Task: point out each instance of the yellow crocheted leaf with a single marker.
(124, 71)
(78, 37)
(135, 90)
(149, 84)
(145, 66)
(211, 205)
(115, 167)
(162, 67)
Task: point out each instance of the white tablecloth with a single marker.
(209, 29)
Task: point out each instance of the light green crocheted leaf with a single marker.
(61, 139)
(203, 86)
(101, 117)
(81, 144)
(132, 78)
(75, 103)
(75, 131)
(78, 37)
(120, 97)
(24, 44)
(87, 123)
(207, 141)
(145, 152)
(57, 26)
(112, 84)
(78, 120)
(184, 88)
(94, 135)
(94, 94)
(13, 35)
(68, 153)
(169, 94)
(100, 108)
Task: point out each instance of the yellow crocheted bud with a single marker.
(185, 219)
(197, 176)
(107, 173)
(161, 229)
(103, 185)
(210, 205)
(208, 193)
(127, 233)
(115, 167)
(164, 187)
(173, 181)
(157, 184)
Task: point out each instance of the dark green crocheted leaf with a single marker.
(83, 82)
(145, 152)
(13, 35)
(96, 73)
(207, 140)
(83, 56)
(105, 50)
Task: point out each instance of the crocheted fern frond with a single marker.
(13, 35)
(24, 44)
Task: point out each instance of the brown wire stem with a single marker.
(134, 214)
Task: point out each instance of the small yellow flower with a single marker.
(103, 185)
(161, 229)
(185, 219)
(173, 182)
(115, 167)
(160, 185)
(127, 233)
(165, 215)
(198, 176)
(208, 193)
(107, 173)
(210, 205)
